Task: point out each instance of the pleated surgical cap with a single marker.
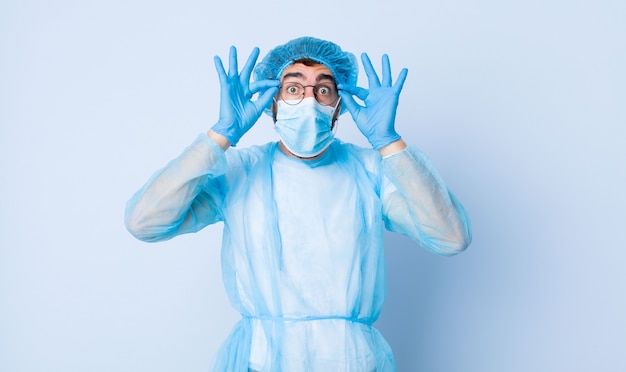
(342, 64)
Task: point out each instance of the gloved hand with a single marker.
(377, 118)
(238, 112)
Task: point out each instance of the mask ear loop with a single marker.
(333, 125)
(274, 109)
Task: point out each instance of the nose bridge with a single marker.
(309, 91)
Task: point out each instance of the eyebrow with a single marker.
(300, 76)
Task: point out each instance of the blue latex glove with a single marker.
(376, 119)
(238, 112)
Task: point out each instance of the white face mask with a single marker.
(305, 128)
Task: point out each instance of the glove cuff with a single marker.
(379, 142)
(228, 131)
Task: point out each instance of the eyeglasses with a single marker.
(293, 93)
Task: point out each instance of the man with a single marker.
(302, 250)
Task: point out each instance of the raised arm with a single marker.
(421, 207)
(180, 198)
(184, 196)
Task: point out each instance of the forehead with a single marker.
(299, 71)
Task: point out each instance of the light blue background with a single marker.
(520, 104)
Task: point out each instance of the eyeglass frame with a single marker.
(332, 85)
(337, 104)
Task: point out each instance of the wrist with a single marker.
(392, 148)
(229, 130)
(220, 139)
(382, 139)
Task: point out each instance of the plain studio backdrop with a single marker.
(520, 104)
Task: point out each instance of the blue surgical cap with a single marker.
(342, 64)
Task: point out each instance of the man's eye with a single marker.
(323, 90)
(293, 89)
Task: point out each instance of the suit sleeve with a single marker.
(181, 198)
(421, 206)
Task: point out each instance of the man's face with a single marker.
(300, 81)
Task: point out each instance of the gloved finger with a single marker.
(348, 101)
(263, 84)
(233, 69)
(400, 80)
(219, 66)
(247, 68)
(361, 93)
(386, 71)
(265, 98)
(372, 77)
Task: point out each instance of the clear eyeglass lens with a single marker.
(293, 93)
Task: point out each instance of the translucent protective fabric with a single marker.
(302, 250)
